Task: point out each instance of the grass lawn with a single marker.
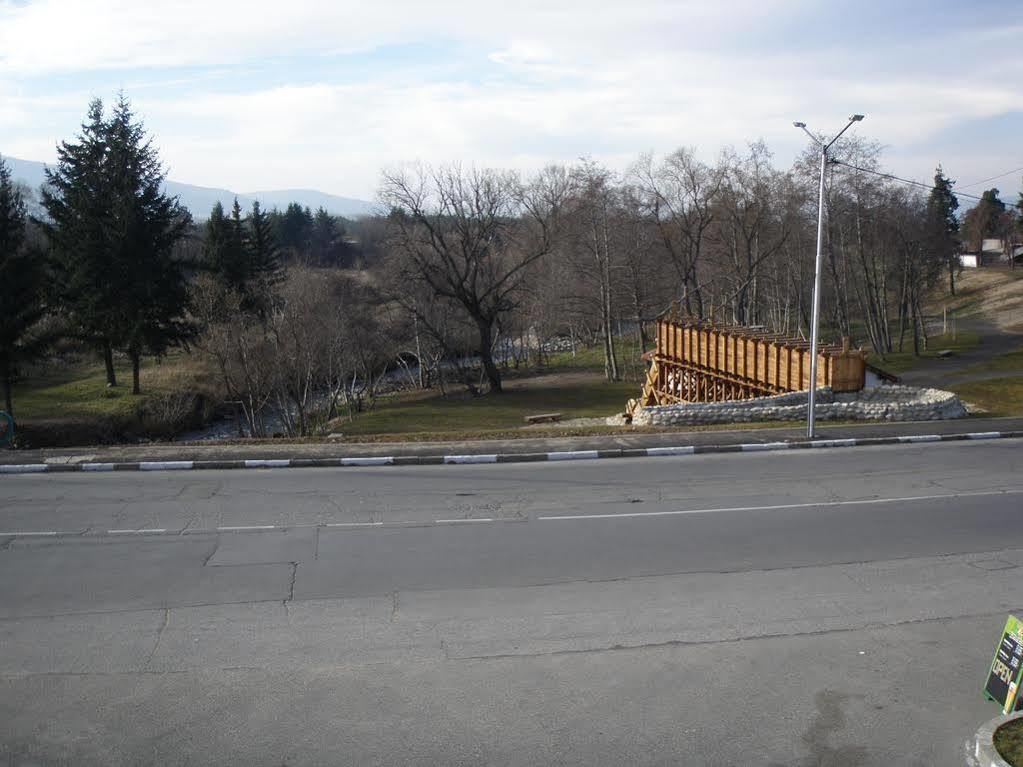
(1009, 361)
(899, 362)
(577, 397)
(591, 358)
(999, 396)
(80, 391)
(1009, 742)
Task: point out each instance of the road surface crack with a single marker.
(159, 636)
(291, 586)
(619, 646)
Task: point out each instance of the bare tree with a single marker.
(678, 194)
(238, 348)
(594, 250)
(470, 235)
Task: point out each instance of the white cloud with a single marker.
(531, 82)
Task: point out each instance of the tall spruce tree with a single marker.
(225, 249)
(943, 224)
(87, 287)
(113, 231)
(294, 228)
(264, 253)
(145, 226)
(324, 239)
(215, 242)
(21, 287)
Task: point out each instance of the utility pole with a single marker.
(815, 319)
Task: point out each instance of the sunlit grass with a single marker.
(899, 362)
(79, 390)
(998, 396)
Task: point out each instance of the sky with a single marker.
(271, 95)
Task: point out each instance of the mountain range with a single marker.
(200, 199)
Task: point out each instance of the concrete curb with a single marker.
(980, 749)
(427, 460)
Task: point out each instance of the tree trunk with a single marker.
(487, 357)
(916, 334)
(419, 350)
(951, 276)
(135, 359)
(108, 361)
(8, 402)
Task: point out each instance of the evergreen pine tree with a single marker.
(21, 287)
(225, 249)
(143, 230)
(112, 231)
(87, 287)
(324, 238)
(294, 227)
(943, 224)
(264, 254)
(215, 241)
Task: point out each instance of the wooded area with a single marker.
(466, 271)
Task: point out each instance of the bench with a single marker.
(543, 418)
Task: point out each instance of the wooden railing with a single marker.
(700, 361)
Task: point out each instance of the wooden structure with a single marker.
(701, 361)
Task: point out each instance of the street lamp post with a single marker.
(815, 319)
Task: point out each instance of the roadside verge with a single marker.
(184, 457)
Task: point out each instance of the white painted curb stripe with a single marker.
(573, 455)
(368, 461)
(682, 450)
(568, 455)
(24, 468)
(268, 463)
(470, 458)
(165, 465)
(757, 446)
(833, 443)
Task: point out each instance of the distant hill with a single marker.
(200, 199)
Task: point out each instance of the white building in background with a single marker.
(993, 251)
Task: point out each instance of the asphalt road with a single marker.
(833, 607)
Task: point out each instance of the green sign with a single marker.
(1003, 680)
(6, 428)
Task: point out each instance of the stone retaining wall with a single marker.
(882, 403)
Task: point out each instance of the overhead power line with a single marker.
(911, 182)
(1000, 175)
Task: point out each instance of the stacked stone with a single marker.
(883, 403)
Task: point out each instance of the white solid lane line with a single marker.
(460, 521)
(139, 531)
(908, 499)
(236, 528)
